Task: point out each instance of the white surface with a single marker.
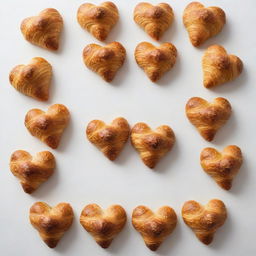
(84, 175)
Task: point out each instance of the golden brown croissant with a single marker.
(51, 222)
(33, 79)
(208, 117)
(222, 167)
(32, 171)
(219, 67)
(43, 30)
(48, 126)
(203, 23)
(155, 20)
(204, 220)
(154, 227)
(104, 60)
(152, 145)
(103, 225)
(155, 61)
(98, 20)
(110, 139)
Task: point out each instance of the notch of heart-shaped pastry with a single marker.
(32, 171)
(51, 222)
(154, 19)
(103, 225)
(44, 29)
(110, 139)
(154, 227)
(98, 20)
(202, 22)
(219, 67)
(48, 126)
(208, 117)
(204, 220)
(33, 79)
(104, 60)
(222, 166)
(155, 61)
(152, 145)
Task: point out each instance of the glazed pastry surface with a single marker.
(155, 20)
(208, 117)
(33, 79)
(44, 29)
(152, 145)
(51, 222)
(32, 171)
(103, 225)
(98, 20)
(222, 166)
(203, 22)
(219, 67)
(48, 126)
(155, 61)
(110, 139)
(154, 227)
(104, 60)
(204, 220)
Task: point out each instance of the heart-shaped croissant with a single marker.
(203, 23)
(155, 20)
(110, 139)
(48, 126)
(103, 225)
(154, 227)
(208, 117)
(33, 79)
(219, 67)
(104, 60)
(51, 222)
(43, 30)
(222, 167)
(98, 20)
(204, 220)
(32, 171)
(152, 145)
(155, 61)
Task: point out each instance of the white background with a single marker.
(84, 175)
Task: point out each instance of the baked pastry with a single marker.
(204, 220)
(155, 61)
(110, 139)
(203, 22)
(154, 227)
(208, 117)
(222, 167)
(103, 225)
(98, 20)
(155, 20)
(44, 29)
(48, 126)
(32, 171)
(51, 222)
(33, 79)
(104, 60)
(152, 145)
(219, 67)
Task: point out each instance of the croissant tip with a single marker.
(51, 243)
(227, 185)
(104, 244)
(27, 189)
(153, 247)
